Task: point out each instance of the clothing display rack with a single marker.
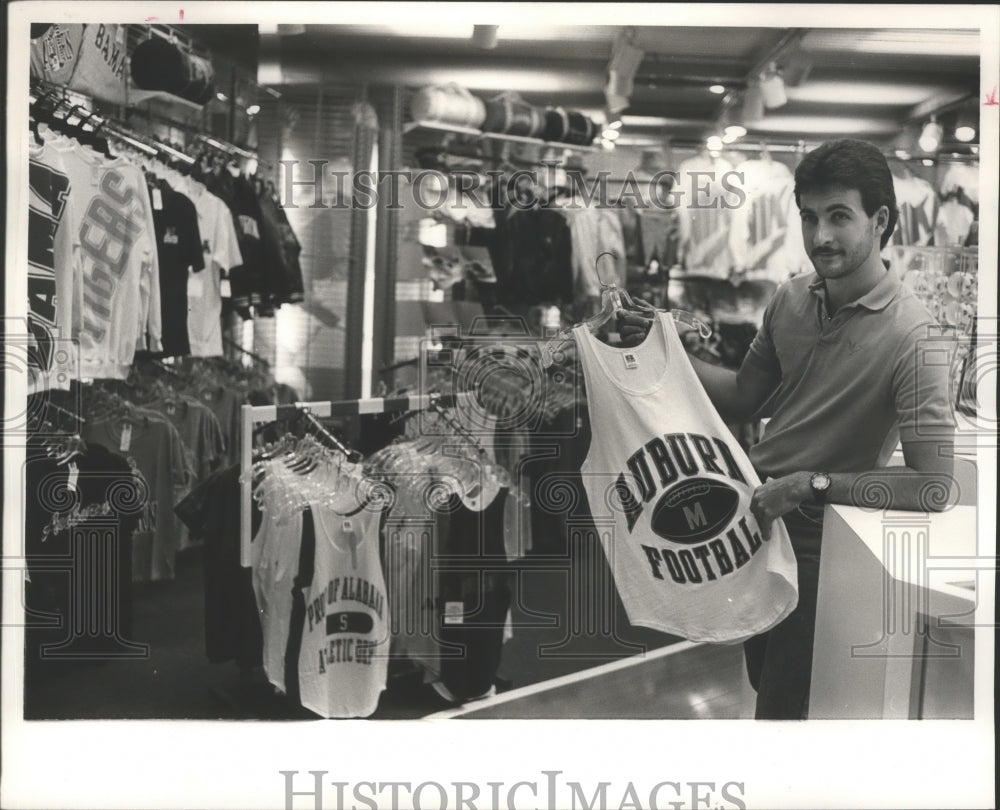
(257, 414)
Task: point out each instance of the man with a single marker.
(837, 365)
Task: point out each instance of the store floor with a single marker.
(567, 619)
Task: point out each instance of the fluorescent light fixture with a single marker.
(847, 92)
(714, 142)
(735, 131)
(826, 126)
(253, 109)
(610, 134)
(930, 137)
(718, 89)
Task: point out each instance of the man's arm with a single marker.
(924, 483)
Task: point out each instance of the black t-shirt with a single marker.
(211, 511)
(178, 246)
(72, 534)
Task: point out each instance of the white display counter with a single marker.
(894, 624)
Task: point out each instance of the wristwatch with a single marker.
(819, 483)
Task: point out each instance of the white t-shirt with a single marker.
(759, 236)
(222, 253)
(705, 222)
(116, 262)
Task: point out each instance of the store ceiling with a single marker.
(850, 82)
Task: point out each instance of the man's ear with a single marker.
(882, 219)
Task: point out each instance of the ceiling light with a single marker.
(222, 97)
(773, 88)
(610, 134)
(965, 134)
(718, 89)
(608, 145)
(974, 150)
(714, 153)
(927, 162)
(714, 142)
(616, 124)
(902, 154)
(735, 131)
(930, 137)
(253, 109)
(965, 127)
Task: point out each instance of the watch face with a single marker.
(821, 481)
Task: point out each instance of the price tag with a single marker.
(196, 286)
(225, 291)
(126, 441)
(454, 613)
(631, 361)
(157, 200)
(74, 476)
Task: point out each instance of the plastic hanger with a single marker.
(614, 301)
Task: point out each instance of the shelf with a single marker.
(495, 136)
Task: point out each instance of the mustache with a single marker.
(825, 252)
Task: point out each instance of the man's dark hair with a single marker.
(849, 163)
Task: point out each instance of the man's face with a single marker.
(837, 232)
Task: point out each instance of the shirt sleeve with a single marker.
(921, 384)
(762, 355)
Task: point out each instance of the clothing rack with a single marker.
(256, 414)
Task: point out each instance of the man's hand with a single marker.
(633, 327)
(777, 497)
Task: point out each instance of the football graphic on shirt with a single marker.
(694, 510)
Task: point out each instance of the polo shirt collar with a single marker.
(877, 298)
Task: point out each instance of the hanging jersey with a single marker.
(89, 58)
(705, 221)
(117, 264)
(917, 206)
(204, 290)
(669, 488)
(954, 220)
(962, 177)
(339, 639)
(760, 226)
(275, 559)
(51, 293)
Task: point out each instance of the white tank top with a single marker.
(669, 488)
